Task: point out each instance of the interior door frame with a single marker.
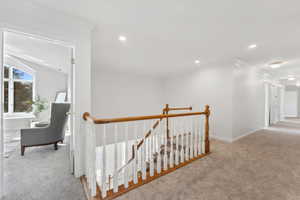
(71, 76)
(1, 114)
(269, 112)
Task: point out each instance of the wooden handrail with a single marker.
(87, 116)
(182, 108)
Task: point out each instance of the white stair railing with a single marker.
(172, 141)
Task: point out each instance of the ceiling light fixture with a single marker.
(274, 66)
(122, 38)
(197, 61)
(291, 78)
(252, 46)
(298, 84)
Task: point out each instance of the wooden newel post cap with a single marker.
(207, 109)
(85, 115)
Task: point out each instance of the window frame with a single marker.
(11, 80)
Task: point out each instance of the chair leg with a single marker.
(22, 150)
(55, 146)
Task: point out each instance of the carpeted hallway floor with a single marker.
(261, 166)
(42, 174)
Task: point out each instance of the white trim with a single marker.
(1, 114)
(223, 139)
(246, 134)
(283, 131)
(18, 116)
(39, 37)
(231, 140)
(290, 116)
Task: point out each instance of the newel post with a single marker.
(167, 119)
(207, 114)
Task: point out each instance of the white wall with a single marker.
(248, 100)
(236, 96)
(117, 94)
(33, 19)
(208, 85)
(292, 101)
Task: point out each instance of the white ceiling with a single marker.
(166, 36)
(41, 52)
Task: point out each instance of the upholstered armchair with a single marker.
(51, 134)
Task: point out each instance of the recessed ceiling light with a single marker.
(298, 84)
(291, 78)
(122, 38)
(274, 66)
(252, 46)
(197, 61)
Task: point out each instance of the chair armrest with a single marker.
(33, 130)
(34, 136)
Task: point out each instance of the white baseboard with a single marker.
(223, 139)
(230, 140)
(290, 115)
(246, 134)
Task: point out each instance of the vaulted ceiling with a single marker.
(165, 37)
(41, 52)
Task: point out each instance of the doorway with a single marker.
(35, 72)
(274, 103)
(291, 103)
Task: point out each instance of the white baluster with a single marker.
(202, 133)
(94, 157)
(90, 147)
(200, 127)
(166, 148)
(116, 175)
(151, 147)
(177, 141)
(191, 138)
(186, 139)
(87, 153)
(104, 188)
(158, 161)
(195, 137)
(134, 167)
(126, 156)
(182, 141)
(171, 133)
(143, 149)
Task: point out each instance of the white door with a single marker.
(291, 104)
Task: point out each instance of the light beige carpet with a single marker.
(42, 174)
(261, 166)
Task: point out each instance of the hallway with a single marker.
(264, 165)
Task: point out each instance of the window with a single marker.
(18, 90)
